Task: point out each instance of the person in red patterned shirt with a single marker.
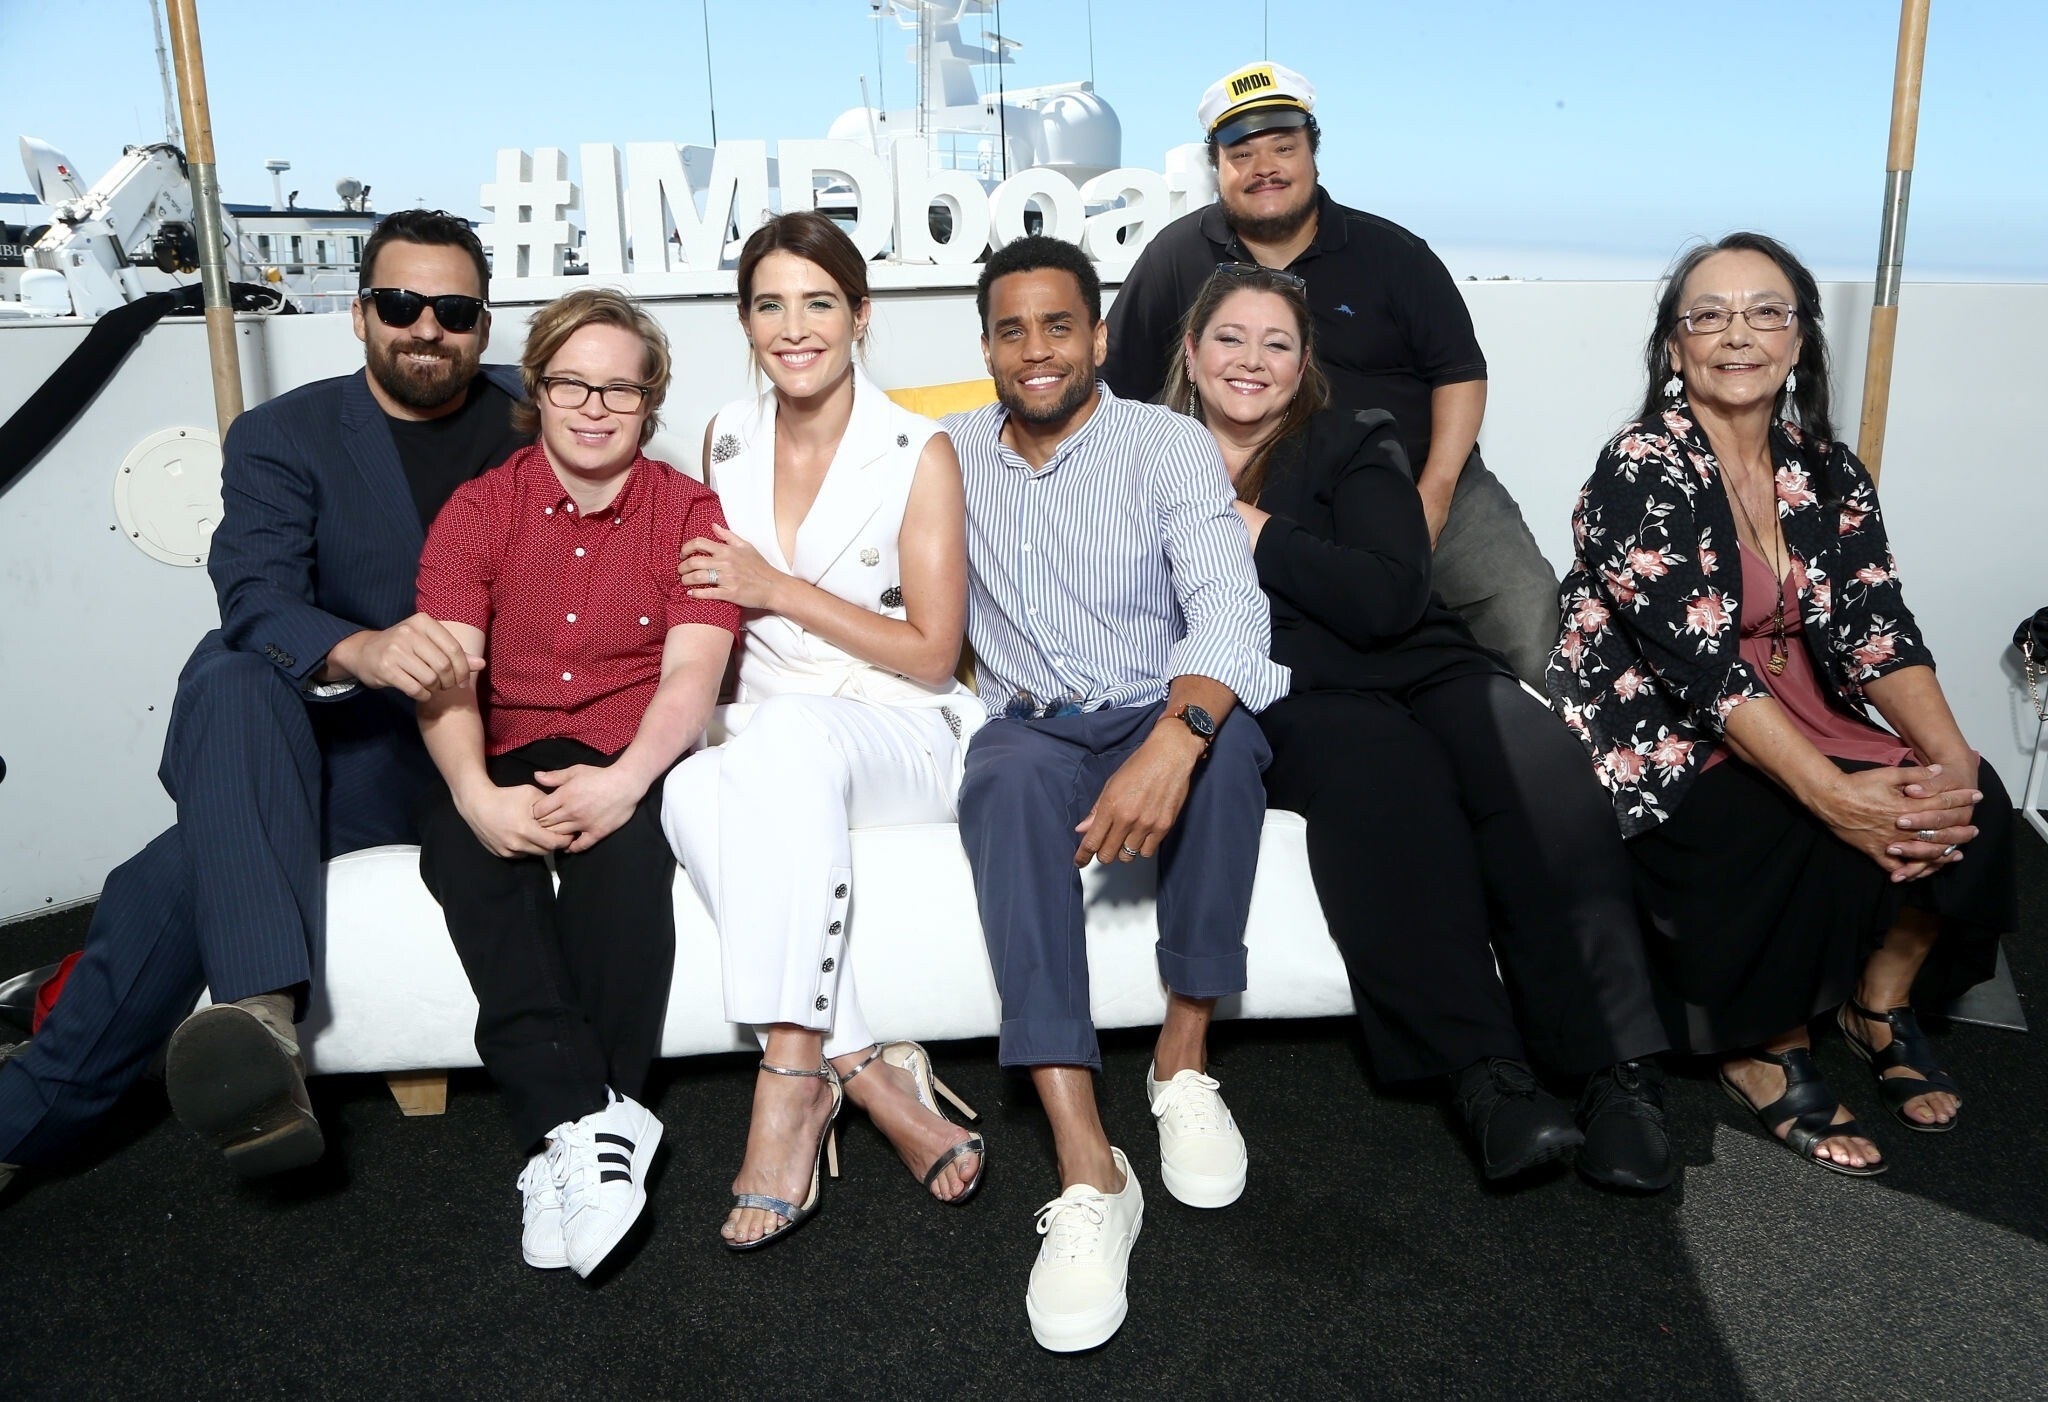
(557, 571)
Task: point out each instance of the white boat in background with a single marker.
(103, 536)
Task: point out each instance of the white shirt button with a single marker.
(569, 506)
(548, 511)
(1026, 545)
(567, 677)
(572, 618)
(579, 551)
(643, 620)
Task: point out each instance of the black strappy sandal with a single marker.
(911, 1057)
(1810, 1105)
(794, 1215)
(1909, 1048)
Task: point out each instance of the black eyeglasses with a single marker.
(1764, 316)
(1295, 280)
(565, 393)
(399, 307)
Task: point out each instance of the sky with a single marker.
(1527, 138)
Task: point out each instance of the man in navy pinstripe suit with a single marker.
(292, 738)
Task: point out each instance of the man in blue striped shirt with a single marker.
(1119, 631)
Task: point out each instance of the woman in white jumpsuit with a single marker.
(847, 551)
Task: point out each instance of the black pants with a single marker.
(1456, 825)
(571, 985)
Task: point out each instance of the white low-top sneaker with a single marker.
(603, 1160)
(1076, 1299)
(540, 1212)
(1202, 1156)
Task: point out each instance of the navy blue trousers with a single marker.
(232, 897)
(1028, 783)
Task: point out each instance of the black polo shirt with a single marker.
(1390, 323)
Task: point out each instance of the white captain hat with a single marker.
(1255, 98)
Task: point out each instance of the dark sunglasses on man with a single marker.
(399, 307)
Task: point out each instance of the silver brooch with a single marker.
(952, 720)
(892, 597)
(903, 440)
(870, 556)
(726, 448)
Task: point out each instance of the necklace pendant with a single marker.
(1776, 666)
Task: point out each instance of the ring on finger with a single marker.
(1925, 834)
(712, 576)
(1129, 851)
(1947, 850)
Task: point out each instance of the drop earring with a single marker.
(1674, 388)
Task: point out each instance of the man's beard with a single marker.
(1077, 392)
(1273, 228)
(422, 386)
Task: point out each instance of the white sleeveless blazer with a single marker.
(847, 545)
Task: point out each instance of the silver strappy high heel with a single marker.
(795, 1215)
(913, 1058)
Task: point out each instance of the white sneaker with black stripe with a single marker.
(601, 1163)
(540, 1212)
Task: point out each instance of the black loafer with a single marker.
(1627, 1146)
(1518, 1124)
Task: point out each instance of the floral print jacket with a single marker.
(1647, 668)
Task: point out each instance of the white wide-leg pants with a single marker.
(760, 825)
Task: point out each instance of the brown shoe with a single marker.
(235, 1077)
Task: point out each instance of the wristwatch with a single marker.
(1199, 721)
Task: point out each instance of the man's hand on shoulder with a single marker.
(416, 655)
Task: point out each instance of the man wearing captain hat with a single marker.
(1392, 333)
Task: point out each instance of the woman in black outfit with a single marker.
(1451, 816)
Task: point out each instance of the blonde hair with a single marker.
(1313, 394)
(553, 325)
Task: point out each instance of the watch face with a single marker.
(1200, 721)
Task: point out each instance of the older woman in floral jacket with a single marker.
(1733, 607)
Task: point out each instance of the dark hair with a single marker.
(1810, 399)
(1031, 254)
(1315, 139)
(550, 329)
(429, 226)
(1311, 398)
(809, 235)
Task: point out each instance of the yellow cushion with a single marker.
(936, 401)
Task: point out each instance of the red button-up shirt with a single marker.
(575, 609)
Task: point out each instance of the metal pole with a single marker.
(220, 311)
(1891, 247)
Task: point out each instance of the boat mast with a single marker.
(220, 311)
(1891, 243)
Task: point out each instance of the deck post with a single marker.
(198, 123)
(1891, 250)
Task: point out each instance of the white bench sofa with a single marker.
(391, 996)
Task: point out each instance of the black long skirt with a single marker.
(1759, 918)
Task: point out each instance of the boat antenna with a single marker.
(1002, 98)
(1891, 242)
(1091, 42)
(172, 133)
(710, 92)
(1266, 29)
(881, 71)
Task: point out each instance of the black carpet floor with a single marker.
(1367, 1258)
